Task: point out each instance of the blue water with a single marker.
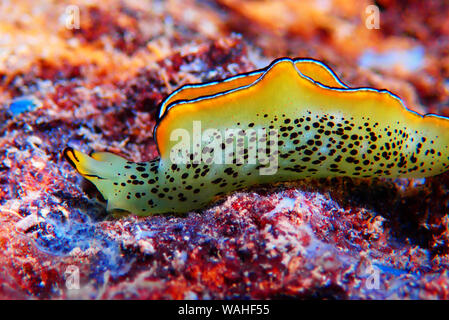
(21, 105)
(411, 59)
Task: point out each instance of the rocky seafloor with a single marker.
(96, 83)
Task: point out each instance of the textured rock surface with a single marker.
(98, 87)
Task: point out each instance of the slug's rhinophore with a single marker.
(293, 119)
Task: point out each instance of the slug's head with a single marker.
(101, 173)
(119, 181)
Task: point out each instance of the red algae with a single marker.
(98, 88)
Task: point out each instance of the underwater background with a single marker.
(91, 74)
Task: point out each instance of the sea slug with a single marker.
(291, 120)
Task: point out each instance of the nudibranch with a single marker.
(293, 119)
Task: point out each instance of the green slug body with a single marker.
(215, 138)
